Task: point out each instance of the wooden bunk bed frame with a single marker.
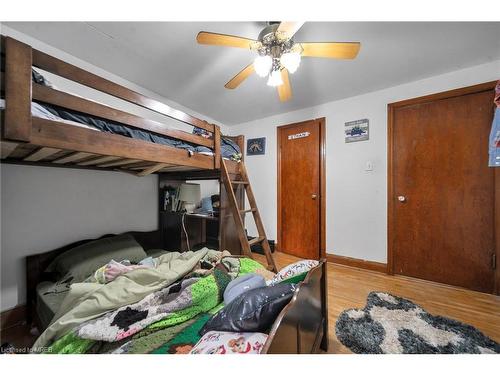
(300, 328)
(26, 139)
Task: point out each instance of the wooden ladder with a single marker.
(238, 214)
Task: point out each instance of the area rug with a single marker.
(391, 325)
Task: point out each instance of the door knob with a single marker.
(314, 196)
(402, 198)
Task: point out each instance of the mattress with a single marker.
(49, 297)
(50, 112)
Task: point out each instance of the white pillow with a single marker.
(292, 270)
(218, 342)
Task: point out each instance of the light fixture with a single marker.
(262, 65)
(275, 78)
(290, 61)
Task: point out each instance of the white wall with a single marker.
(44, 208)
(356, 200)
(207, 187)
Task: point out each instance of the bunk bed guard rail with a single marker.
(20, 126)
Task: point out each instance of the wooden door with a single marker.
(442, 220)
(301, 189)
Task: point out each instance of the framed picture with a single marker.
(356, 131)
(256, 146)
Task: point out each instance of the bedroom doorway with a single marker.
(301, 189)
(444, 200)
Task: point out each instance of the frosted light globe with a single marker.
(275, 78)
(291, 61)
(262, 65)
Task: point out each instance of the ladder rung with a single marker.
(256, 240)
(238, 215)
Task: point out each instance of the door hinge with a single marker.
(494, 261)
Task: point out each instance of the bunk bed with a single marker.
(42, 125)
(137, 145)
(149, 146)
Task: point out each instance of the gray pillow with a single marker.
(241, 285)
(80, 262)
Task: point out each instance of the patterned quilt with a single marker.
(166, 321)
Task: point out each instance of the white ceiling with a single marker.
(165, 58)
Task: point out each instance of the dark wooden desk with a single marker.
(202, 230)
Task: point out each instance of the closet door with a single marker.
(442, 192)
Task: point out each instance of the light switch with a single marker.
(369, 166)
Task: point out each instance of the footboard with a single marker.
(302, 326)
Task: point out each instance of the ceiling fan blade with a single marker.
(333, 50)
(288, 29)
(285, 90)
(214, 39)
(240, 77)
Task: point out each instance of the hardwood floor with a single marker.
(18, 336)
(348, 287)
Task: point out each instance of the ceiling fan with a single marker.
(278, 53)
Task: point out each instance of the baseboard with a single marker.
(12, 317)
(358, 263)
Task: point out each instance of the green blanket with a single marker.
(178, 339)
(172, 310)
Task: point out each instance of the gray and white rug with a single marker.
(390, 324)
